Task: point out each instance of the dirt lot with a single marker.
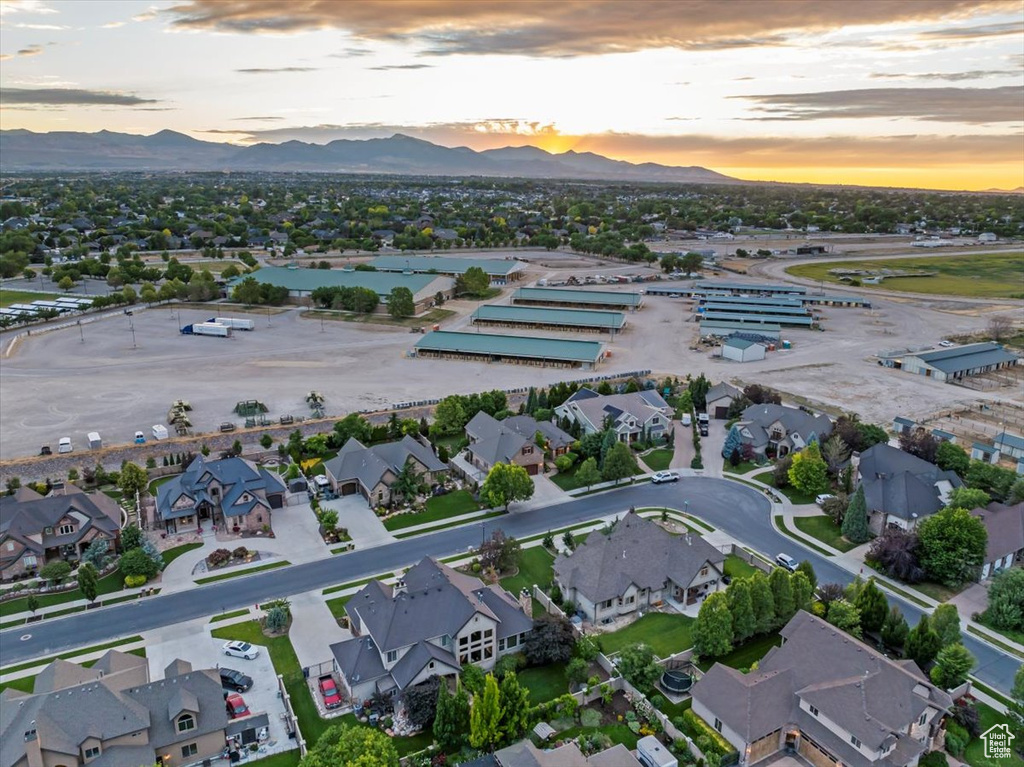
(55, 385)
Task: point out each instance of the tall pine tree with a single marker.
(763, 602)
(923, 644)
(742, 610)
(872, 605)
(712, 634)
(782, 593)
(445, 724)
(855, 522)
(895, 629)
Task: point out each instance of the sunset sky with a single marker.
(925, 93)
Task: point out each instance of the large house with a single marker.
(525, 754)
(633, 416)
(777, 430)
(112, 715)
(901, 489)
(1005, 528)
(432, 622)
(35, 530)
(720, 398)
(229, 492)
(513, 441)
(826, 696)
(370, 471)
(636, 566)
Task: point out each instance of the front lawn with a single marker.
(741, 468)
(108, 584)
(747, 653)
(171, 554)
(1016, 636)
(534, 567)
(567, 479)
(665, 633)
(825, 530)
(796, 497)
(544, 682)
(337, 606)
(735, 567)
(155, 484)
(974, 755)
(937, 591)
(437, 508)
(659, 459)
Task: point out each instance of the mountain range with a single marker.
(24, 150)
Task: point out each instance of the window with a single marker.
(10, 545)
(718, 724)
(190, 750)
(66, 529)
(186, 722)
(855, 741)
(392, 656)
(512, 641)
(446, 641)
(704, 571)
(606, 604)
(488, 633)
(30, 560)
(92, 753)
(814, 711)
(528, 450)
(501, 645)
(923, 719)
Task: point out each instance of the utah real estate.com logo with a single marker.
(997, 741)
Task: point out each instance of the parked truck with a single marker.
(207, 329)
(95, 443)
(159, 431)
(234, 324)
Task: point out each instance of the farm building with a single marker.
(500, 270)
(956, 363)
(796, 320)
(820, 300)
(1009, 444)
(554, 319)
(779, 309)
(674, 291)
(490, 347)
(787, 301)
(607, 299)
(750, 288)
(724, 329)
(302, 282)
(742, 350)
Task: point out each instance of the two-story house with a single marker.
(512, 441)
(633, 416)
(826, 696)
(432, 622)
(370, 471)
(901, 489)
(35, 530)
(777, 430)
(229, 492)
(636, 566)
(1005, 527)
(112, 714)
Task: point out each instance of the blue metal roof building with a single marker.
(495, 268)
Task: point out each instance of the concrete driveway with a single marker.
(314, 629)
(363, 525)
(973, 599)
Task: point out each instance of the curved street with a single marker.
(734, 508)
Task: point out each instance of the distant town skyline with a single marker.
(928, 93)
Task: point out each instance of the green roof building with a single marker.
(577, 298)
(498, 269)
(553, 319)
(489, 347)
(302, 282)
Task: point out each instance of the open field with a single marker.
(985, 275)
(9, 297)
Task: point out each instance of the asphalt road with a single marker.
(735, 509)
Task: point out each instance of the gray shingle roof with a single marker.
(494, 441)
(720, 390)
(359, 659)
(639, 405)
(413, 662)
(636, 552)
(245, 486)
(898, 483)
(800, 426)
(370, 465)
(1005, 527)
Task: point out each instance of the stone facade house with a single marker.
(229, 492)
(1005, 527)
(112, 715)
(35, 530)
(432, 622)
(633, 416)
(778, 430)
(637, 566)
(512, 441)
(826, 696)
(370, 471)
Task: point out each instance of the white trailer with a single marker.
(211, 329)
(94, 440)
(159, 431)
(235, 324)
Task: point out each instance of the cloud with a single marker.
(70, 96)
(43, 27)
(268, 118)
(974, 74)
(31, 50)
(114, 24)
(390, 67)
(974, 33)
(10, 7)
(275, 70)
(352, 53)
(568, 27)
(964, 105)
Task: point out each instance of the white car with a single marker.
(823, 497)
(946, 344)
(241, 650)
(64, 445)
(664, 476)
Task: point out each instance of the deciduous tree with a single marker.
(1006, 600)
(803, 592)
(133, 479)
(952, 665)
(401, 303)
(638, 666)
(712, 633)
(845, 616)
(782, 593)
(352, 746)
(588, 474)
(763, 603)
(505, 483)
(619, 463)
(515, 708)
(809, 473)
(551, 641)
(923, 644)
(88, 581)
(951, 457)
(741, 609)
(872, 605)
(946, 623)
(953, 546)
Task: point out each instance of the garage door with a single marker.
(721, 413)
(532, 469)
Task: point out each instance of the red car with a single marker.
(329, 691)
(236, 706)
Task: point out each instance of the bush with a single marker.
(934, 759)
(240, 553)
(137, 562)
(277, 619)
(967, 717)
(55, 571)
(218, 557)
(955, 744)
(134, 581)
(707, 740)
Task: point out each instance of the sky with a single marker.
(923, 93)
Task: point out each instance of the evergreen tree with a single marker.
(712, 634)
(803, 594)
(515, 708)
(733, 442)
(782, 593)
(531, 401)
(807, 569)
(923, 644)
(485, 717)
(952, 665)
(872, 605)
(444, 730)
(855, 522)
(763, 603)
(895, 628)
(946, 623)
(608, 441)
(742, 610)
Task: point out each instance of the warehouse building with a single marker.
(789, 301)
(579, 299)
(490, 347)
(674, 291)
(741, 349)
(302, 282)
(823, 300)
(580, 320)
(722, 329)
(793, 320)
(956, 363)
(500, 270)
(750, 288)
(756, 309)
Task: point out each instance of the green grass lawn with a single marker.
(159, 481)
(937, 591)
(108, 584)
(70, 654)
(544, 682)
(337, 606)
(567, 479)
(618, 733)
(741, 468)
(659, 459)
(434, 316)
(445, 526)
(284, 759)
(795, 496)
(9, 297)
(825, 530)
(748, 652)
(985, 275)
(779, 523)
(171, 554)
(664, 633)
(229, 616)
(1016, 636)
(534, 567)
(437, 508)
(735, 567)
(974, 755)
(239, 573)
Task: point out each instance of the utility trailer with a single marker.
(207, 329)
(234, 324)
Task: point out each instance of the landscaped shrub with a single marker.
(967, 717)
(590, 718)
(277, 619)
(696, 725)
(134, 581)
(218, 557)
(955, 745)
(934, 759)
(240, 553)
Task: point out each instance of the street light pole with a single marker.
(133, 338)
(80, 332)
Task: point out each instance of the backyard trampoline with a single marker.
(677, 680)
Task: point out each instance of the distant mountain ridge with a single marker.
(24, 150)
